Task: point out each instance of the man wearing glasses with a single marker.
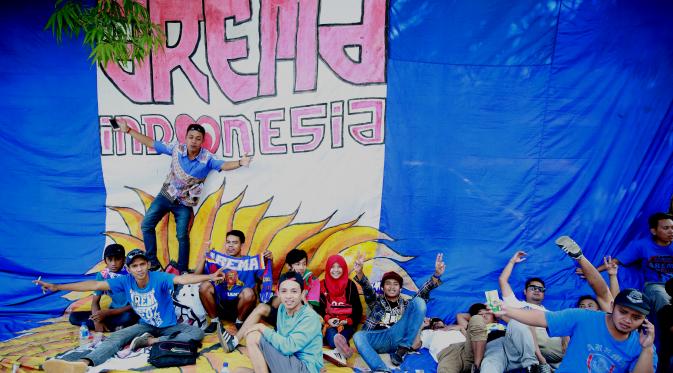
(531, 347)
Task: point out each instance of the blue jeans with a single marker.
(158, 209)
(402, 334)
(330, 333)
(119, 339)
(656, 293)
(113, 323)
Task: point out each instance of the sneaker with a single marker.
(569, 246)
(62, 366)
(211, 328)
(140, 341)
(228, 341)
(398, 356)
(544, 368)
(335, 357)
(342, 346)
(541, 368)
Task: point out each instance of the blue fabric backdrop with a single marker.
(53, 210)
(508, 124)
(511, 124)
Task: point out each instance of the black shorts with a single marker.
(227, 309)
(272, 319)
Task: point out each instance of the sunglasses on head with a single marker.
(541, 289)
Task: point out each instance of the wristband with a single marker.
(435, 276)
(128, 130)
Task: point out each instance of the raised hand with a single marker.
(245, 161)
(439, 265)
(218, 276)
(518, 257)
(359, 264)
(268, 255)
(123, 127)
(610, 266)
(46, 285)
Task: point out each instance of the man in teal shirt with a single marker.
(296, 346)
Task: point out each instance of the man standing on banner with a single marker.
(190, 165)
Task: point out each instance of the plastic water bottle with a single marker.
(83, 335)
(225, 368)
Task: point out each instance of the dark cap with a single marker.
(135, 253)
(391, 276)
(196, 127)
(633, 299)
(293, 276)
(114, 250)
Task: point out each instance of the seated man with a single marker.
(296, 261)
(150, 296)
(296, 346)
(393, 322)
(119, 315)
(617, 342)
(547, 350)
(234, 298)
(457, 350)
(655, 255)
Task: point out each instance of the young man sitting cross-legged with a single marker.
(296, 346)
(149, 293)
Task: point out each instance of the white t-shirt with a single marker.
(437, 340)
(511, 301)
(541, 333)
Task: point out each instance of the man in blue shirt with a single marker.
(655, 255)
(182, 188)
(621, 341)
(119, 315)
(149, 293)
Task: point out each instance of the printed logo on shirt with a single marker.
(146, 306)
(390, 318)
(232, 280)
(663, 264)
(602, 359)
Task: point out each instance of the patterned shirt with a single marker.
(381, 313)
(184, 182)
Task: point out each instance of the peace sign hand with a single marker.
(359, 264)
(439, 265)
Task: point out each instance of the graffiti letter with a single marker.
(337, 124)
(286, 25)
(153, 122)
(267, 133)
(164, 61)
(240, 125)
(368, 133)
(368, 36)
(298, 128)
(236, 87)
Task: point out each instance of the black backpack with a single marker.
(173, 354)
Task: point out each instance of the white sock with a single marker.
(238, 321)
(215, 319)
